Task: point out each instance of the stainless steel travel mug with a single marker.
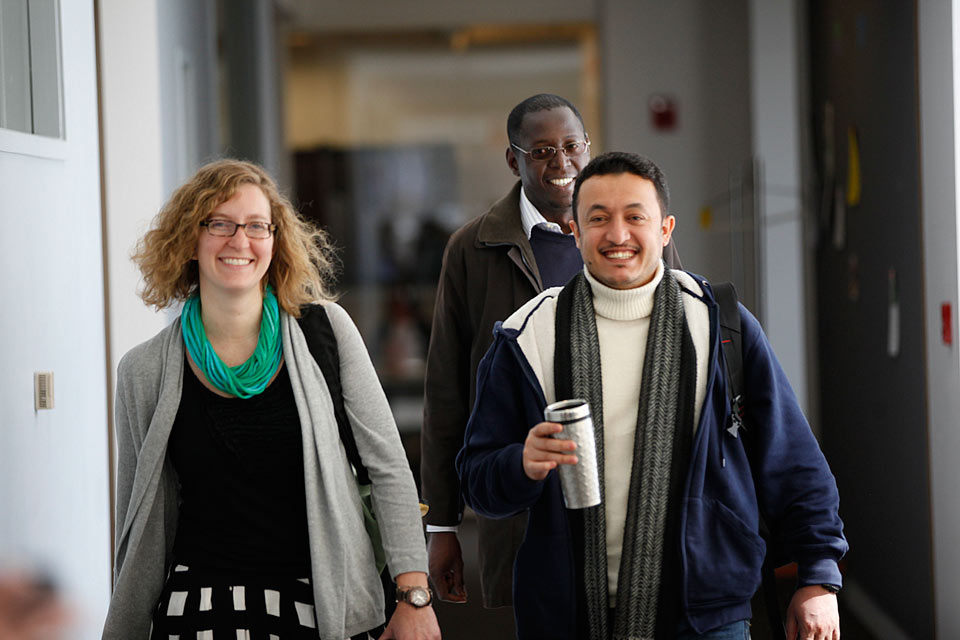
(579, 482)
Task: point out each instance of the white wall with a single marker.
(697, 53)
(160, 123)
(732, 69)
(54, 484)
(776, 107)
(939, 44)
(132, 158)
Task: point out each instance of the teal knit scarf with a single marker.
(245, 380)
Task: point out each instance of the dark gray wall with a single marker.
(873, 411)
(189, 113)
(252, 78)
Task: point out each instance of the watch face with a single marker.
(418, 596)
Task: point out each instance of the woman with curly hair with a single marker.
(238, 513)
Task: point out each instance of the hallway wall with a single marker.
(698, 54)
(160, 122)
(54, 484)
(939, 85)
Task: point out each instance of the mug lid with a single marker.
(565, 411)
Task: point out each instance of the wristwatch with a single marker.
(418, 597)
(832, 588)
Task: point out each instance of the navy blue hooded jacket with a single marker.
(720, 548)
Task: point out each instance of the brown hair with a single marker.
(303, 265)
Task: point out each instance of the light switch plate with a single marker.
(42, 390)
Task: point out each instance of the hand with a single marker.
(813, 614)
(445, 560)
(542, 454)
(28, 611)
(408, 622)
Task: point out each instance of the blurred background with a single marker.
(810, 148)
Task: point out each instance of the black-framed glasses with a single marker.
(226, 228)
(570, 149)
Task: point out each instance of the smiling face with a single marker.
(620, 229)
(549, 183)
(237, 264)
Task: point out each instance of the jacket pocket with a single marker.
(722, 555)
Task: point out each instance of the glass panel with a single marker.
(14, 66)
(45, 68)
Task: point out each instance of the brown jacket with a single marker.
(489, 271)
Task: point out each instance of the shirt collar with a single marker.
(530, 217)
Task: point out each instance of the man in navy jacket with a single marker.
(673, 549)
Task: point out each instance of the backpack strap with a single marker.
(732, 344)
(730, 341)
(323, 347)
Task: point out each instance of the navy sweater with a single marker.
(720, 548)
(558, 258)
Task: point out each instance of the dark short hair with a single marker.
(533, 104)
(616, 162)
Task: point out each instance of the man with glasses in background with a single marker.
(491, 266)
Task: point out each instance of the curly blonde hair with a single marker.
(303, 266)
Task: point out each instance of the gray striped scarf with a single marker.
(638, 583)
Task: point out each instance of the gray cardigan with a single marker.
(347, 591)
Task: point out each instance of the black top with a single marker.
(558, 258)
(240, 466)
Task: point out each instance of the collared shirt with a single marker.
(530, 217)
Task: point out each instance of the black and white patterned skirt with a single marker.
(203, 604)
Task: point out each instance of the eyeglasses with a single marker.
(570, 149)
(226, 228)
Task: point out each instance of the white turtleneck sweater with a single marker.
(623, 322)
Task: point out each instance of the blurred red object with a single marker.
(946, 319)
(663, 112)
(29, 609)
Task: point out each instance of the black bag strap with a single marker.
(732, 344)
(322, 343)
(323, 347)
(730, 341)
